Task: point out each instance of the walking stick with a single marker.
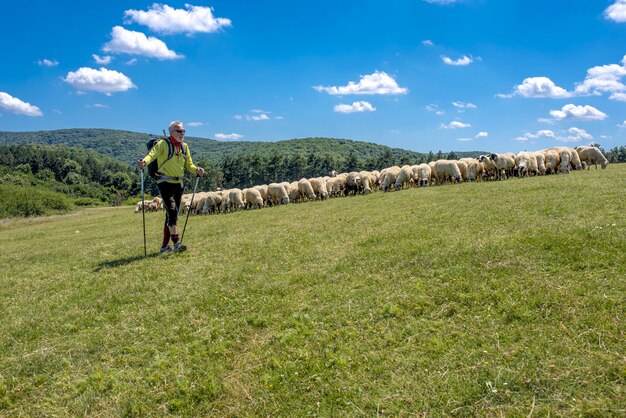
(190, 203)
(143, 216)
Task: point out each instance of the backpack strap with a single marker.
(170, 153)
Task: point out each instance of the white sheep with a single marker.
(319, 187)
(505, 163)
(335, 186)
(523, 163)
(489, 167)
(541, 162)
(305, 189)
(353, 183)
(253, 198)
(592, 155)
(388, 177)
(462, 168)
(474, 169)
(404, 177)
(235, 200)
(367, 181)
(552, 160)
(447, 170)
(277, 194)
(423, 174)
(212, 202)
(262, 189)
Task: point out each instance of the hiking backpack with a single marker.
(153, 167)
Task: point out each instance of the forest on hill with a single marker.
(128, 146)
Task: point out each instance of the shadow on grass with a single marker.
(123, 261)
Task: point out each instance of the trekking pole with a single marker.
(143, 216)
(189, 211)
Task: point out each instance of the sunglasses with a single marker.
(180, 131)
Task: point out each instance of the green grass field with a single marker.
(489, 299)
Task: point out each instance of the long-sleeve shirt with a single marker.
(175, 166)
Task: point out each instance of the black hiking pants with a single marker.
(171, 194)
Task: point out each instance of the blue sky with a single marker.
(493, 75)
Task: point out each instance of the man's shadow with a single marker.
(123, 261)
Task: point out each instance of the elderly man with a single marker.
(170, 179)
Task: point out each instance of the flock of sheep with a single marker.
(486, 167)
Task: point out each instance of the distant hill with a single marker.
(128, 146)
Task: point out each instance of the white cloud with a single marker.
(97, 106)
(195, 124)
(580, 133)
(455, 125)
(462, 106)
(539, 87)
(427, 42)
(360, 106)
(622, 125)
(574, 112)
(162, 18)
(106, 60)
(620, 97)
(377, 83)
(17, 106)
(125, 41)
(233, 136)
(602, 79)
(616, 12)
(102, 80)
(482, 134)
(464, 60)
(464, 139)
(435, 109)
(259, 117)
(443, 2)
(132, 61)
(546, 133)
(48, 63)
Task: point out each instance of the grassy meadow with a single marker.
(485, 299)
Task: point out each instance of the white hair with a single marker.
(170, 127)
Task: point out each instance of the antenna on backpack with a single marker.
(164, 134)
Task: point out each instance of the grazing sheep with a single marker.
(523, 163)
(263, 191)
(552, 160)
(489, 167)
(375, 180)
(335, 186)
(212, 202)
(433, 172)
(541, 163)
(253, 198)
(367, 181)
(569, 158)
(474, 169)
(319, 187)
(305, 189)
(423, 175)
(388, 177)
(505, 163)
(353, 183)
(462, 168)
(592, 155)
(235, 200)
(277, 194)
(404, 178)
(447, 170)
